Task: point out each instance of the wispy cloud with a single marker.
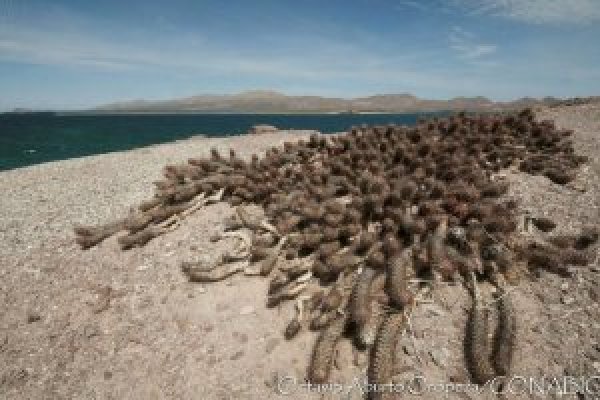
(48, 52)
(326, 62)
(467, 46)
(412, 4)
(537, 11)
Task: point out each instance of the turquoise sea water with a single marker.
(27, 139)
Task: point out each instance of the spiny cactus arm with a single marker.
(382, 359)
(324, 350)
(505, 337)
(477, 340)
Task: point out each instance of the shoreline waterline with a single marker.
(32, 139)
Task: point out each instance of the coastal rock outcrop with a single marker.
(261, 129)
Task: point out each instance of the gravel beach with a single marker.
(110, 324)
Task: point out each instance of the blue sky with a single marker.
(81, 53)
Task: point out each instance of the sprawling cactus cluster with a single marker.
(357, 223)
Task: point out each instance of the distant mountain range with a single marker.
(263, 101)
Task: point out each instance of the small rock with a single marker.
(577, 186)
(247, 310)
(596, 365)
(107, 375)
(142, 267)
(439, 356)
(435, 311)
(564, 286)
(90, 331)
(271, 344)
(410, 378)
(237, 355)
(537, 328)
(33, 316)
(567, 300)
(262, 129)
(459, 376)
(408, 349)
(201, 289)
(3, 342)
(272, 380)
(212, 360)
(592, 354)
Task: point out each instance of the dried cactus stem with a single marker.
(477, 340)
(195, 274)
(324, 350)
(359, 305)
(90, 236)
(505, 337)
(396, 285)
(367, 332)
(269, 262)
(140, 238)
(287, 293)
(381, 366)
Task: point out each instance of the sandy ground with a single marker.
(109, 324)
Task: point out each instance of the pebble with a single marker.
(90, 331)
(237, 355)
(271, 344)
(595, 293)
(272, 380)
(439, 356)
(537, 328)
(247, 310)
(33, 316)
(567, 300)
(142, 267)
(564, 286)
(592, 354)
(408, 349)
(411, 378)
(435, 311)
(212, 360)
